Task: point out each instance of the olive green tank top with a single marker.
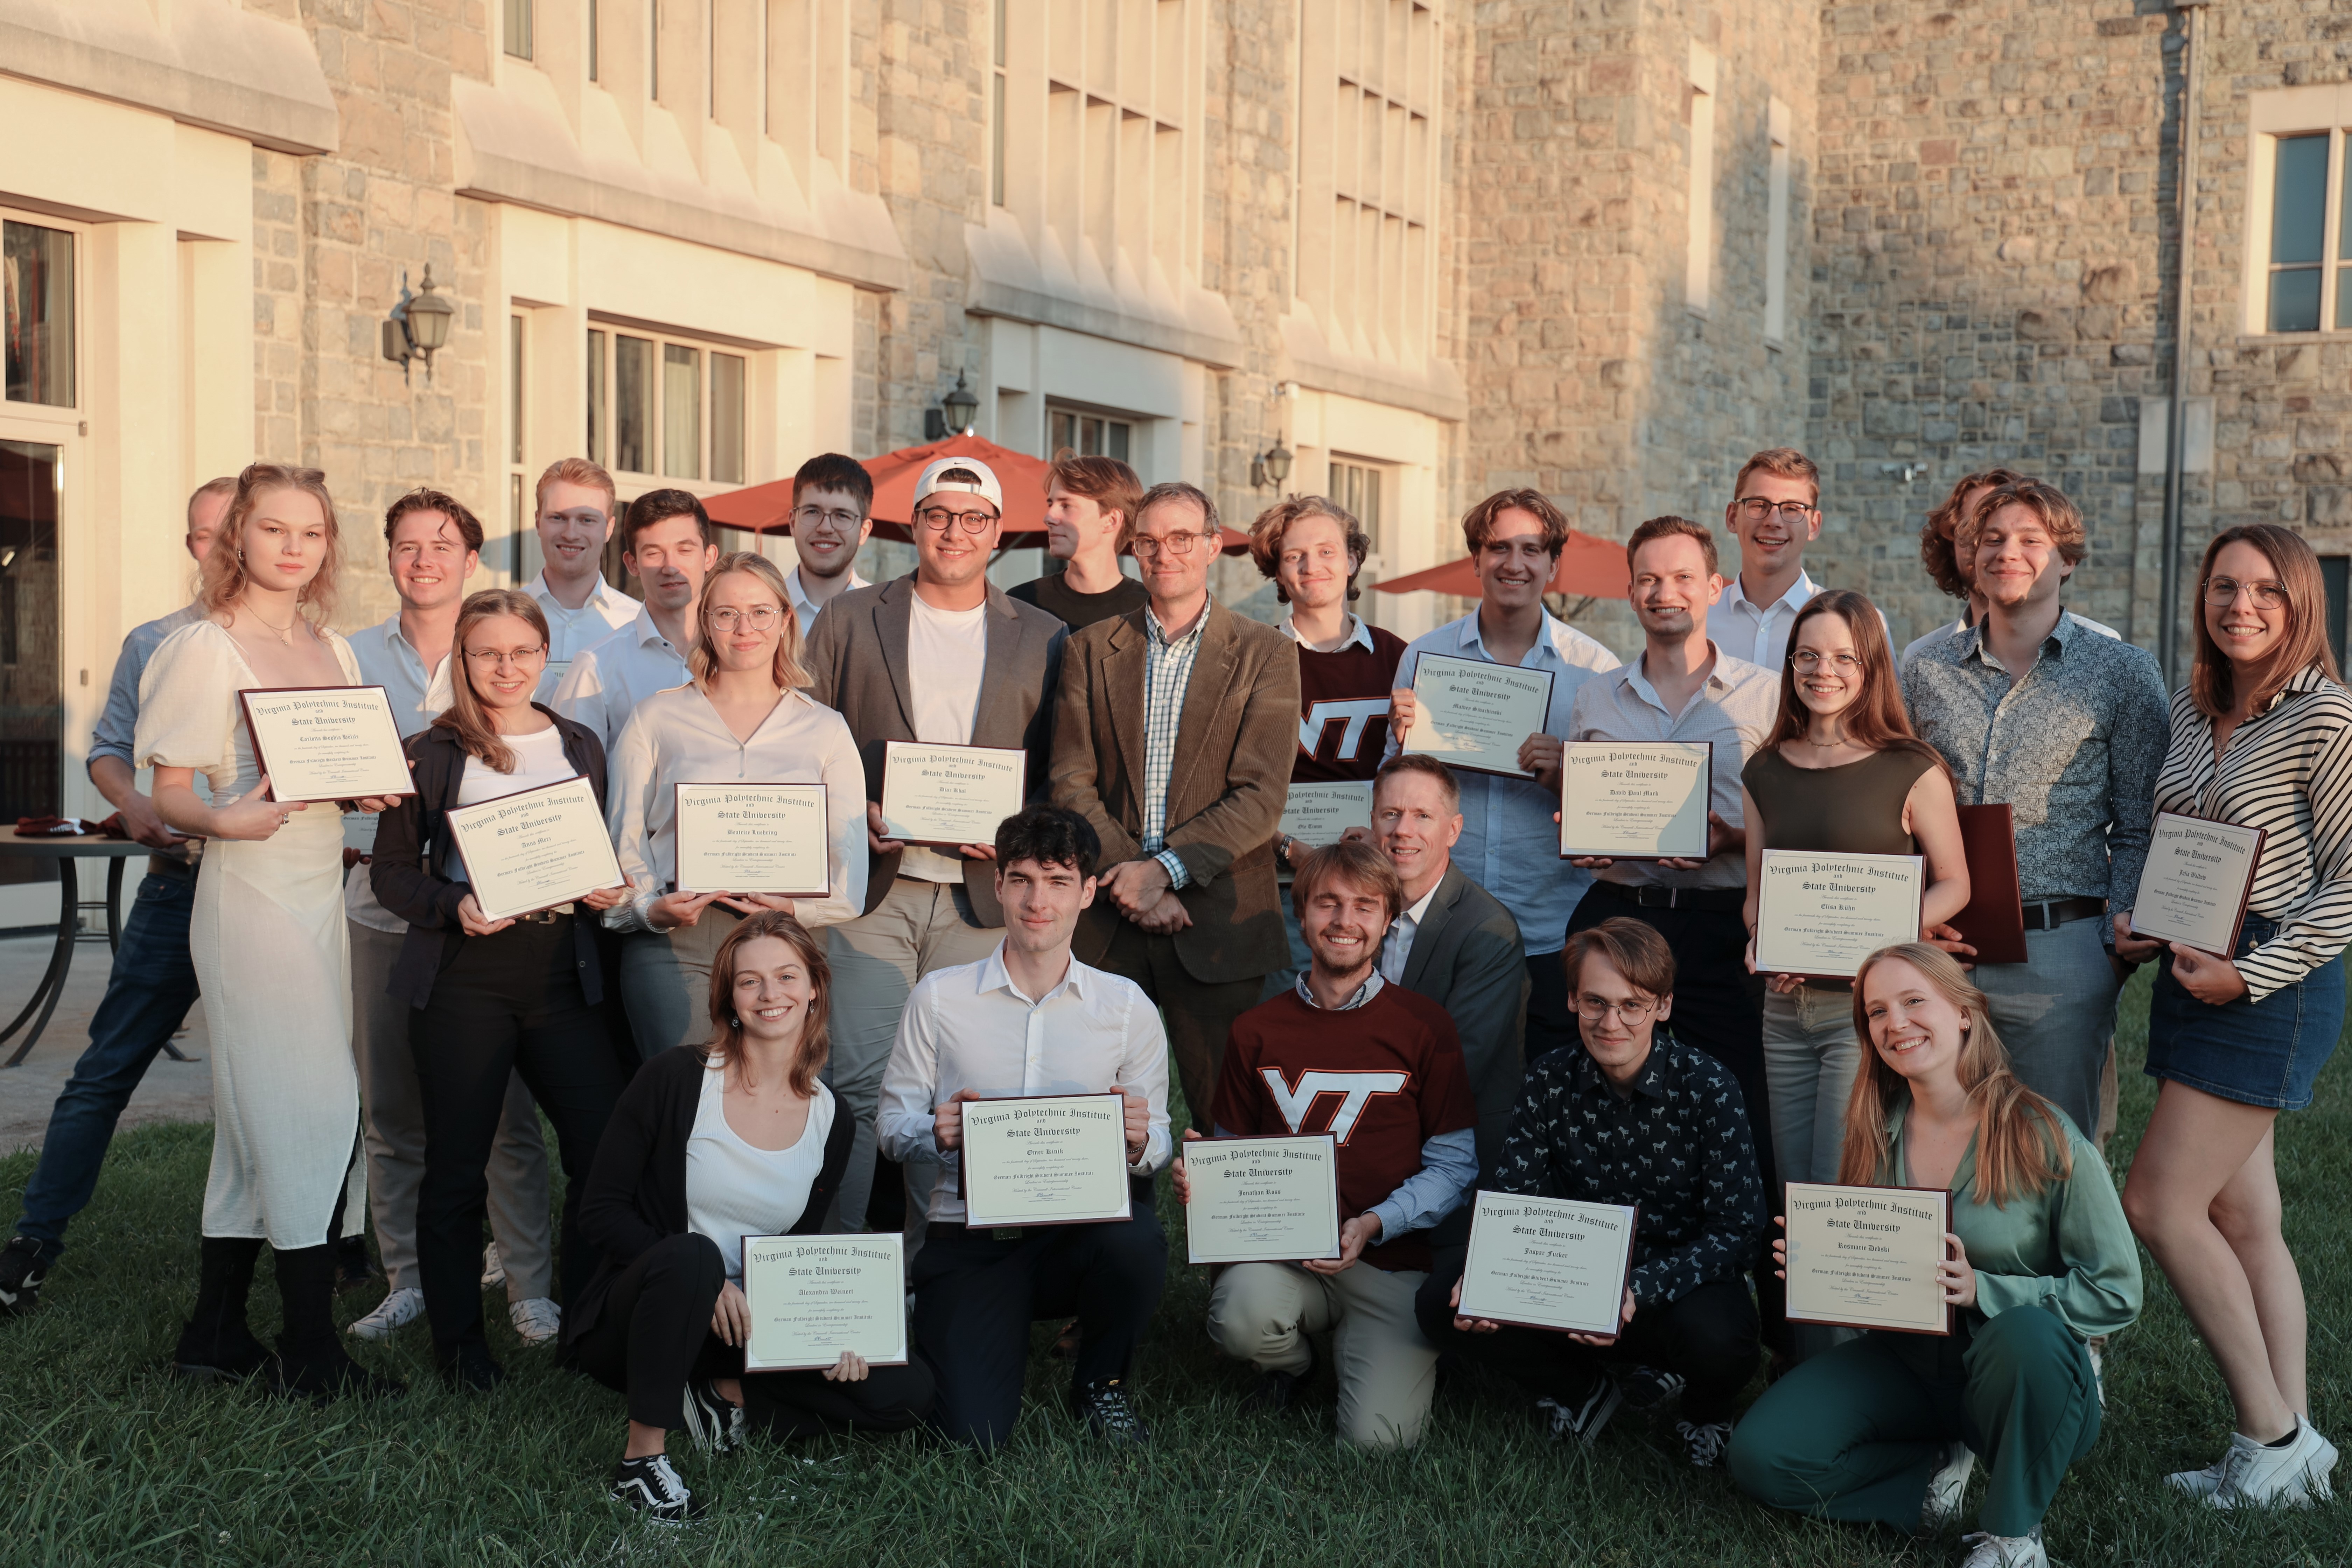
(1854, 808)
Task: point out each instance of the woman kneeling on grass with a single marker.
(1886, 1429)
(709, 1145)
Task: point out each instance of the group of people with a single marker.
(1460, 1006)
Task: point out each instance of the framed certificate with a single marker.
(1634, 801)
(1994, 921)
(1820, 915)
(2198, 875)
(1548, 1263)
(1318, 813)
(814, 1297)
(1476, 715)
(1262, 1200)
(1053, 1159)
(753, 838)
(1864, 1257)
(326, 743)
(535, 849)
(947, 796)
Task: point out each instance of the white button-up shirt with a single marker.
(1757, 634)
(1359, 635)
(805, 609)
(677, 737)
(570, 633)
(1510, 844)
(1397, 946)
(418, 695)
(972, 1028)
(606, 682)
(1733, 711)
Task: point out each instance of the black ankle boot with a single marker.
(311, 1361)
(216, 1346)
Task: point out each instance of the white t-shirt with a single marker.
(947, 651)
(733, 1190)
(539, 759)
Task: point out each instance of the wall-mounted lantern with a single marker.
(418, 327)
(1271, 466)
(954, 414)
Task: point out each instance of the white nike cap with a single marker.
(984, 486)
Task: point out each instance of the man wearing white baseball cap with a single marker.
(943, 657)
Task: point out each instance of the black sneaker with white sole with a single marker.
(1583, 1416)
(1110, 1412)
(1648, 1388)
(653, 1489)
(22, 1274)
(715, 1425)
(1277, 1392)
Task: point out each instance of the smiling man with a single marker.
(1775, 512)
(2031, 707)
(833, 502)
(574, 510)
(667, 543)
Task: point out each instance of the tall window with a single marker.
(1776, 224)
(1368, 150)
(1698, 267)
(1088, 434)
(666, 408)
(2310, 240)
(1357, 488)
(518, 28)
(2335, 575)
(36, 267)
(517, 521)
(592, 40)
(996, 109)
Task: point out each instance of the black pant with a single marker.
(1551, 1016)
(1708, 1337)
(506, 1004)
(976, 1296)
(654, 1336)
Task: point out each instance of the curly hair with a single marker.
(1266, 533)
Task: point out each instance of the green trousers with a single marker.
(1856, 1432)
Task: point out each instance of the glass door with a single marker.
(32, 697)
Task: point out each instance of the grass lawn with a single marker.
(112, 1461)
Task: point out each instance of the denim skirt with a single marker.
(2257, 1053)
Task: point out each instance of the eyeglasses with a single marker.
(2223, 591)
(763, 617)
(1844, 663)
(813, 517)
(491, 657)
(1594, 1008)
(937, 518)
(1756, 509)
(1176, 544)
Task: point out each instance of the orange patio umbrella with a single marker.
(1588, 568)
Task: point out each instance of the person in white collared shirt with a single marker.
(833, 503)
(573, 508)
(742, 719)
(1514, 538)
(432, 545)
(666, 544)
(1029, 1019)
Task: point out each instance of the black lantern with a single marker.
(961, 406)
(418, 327)
(1277, 462)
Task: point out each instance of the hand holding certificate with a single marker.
(753, 838)
(1045, 1159)
(1468, 714)
(1865, 1258)
(1262, 1200)
(950, 796)
(1634, 802)
(1548, 1263)
(1824, 914)
(813, 1298)
(326, 743)
(2198, 875)
(535, 849)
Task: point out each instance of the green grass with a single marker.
(108, 1459)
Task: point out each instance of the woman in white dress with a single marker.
(267, 937)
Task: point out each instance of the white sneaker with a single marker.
(1944, 1488)
(494, 1267)
(2096, 1350)
(394, 1312)
(2255, 1475)
(2202, 1483)
(2005, 1551)
(537, 1320)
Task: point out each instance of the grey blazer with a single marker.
(856, 660)
(1467, 958)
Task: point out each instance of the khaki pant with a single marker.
(394, 1114)
(1262, 1312)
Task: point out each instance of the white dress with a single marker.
(273, 959)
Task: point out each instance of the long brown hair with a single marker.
(2212, 682)
(726, 1046)
(2021, 1142)
(702, 658)
(466, 719)
(1875, 719)
(223, 575)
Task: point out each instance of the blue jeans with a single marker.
(148, 995)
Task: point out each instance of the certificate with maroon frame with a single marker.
(1262, 1200)
(810, 1297)
(772, 838)
(945, 796)
(321, 743)
(1865, 1258)
(1548, 1263)
(535, 849)
(1048, 1159)
(2197, 881)
(1470, 713)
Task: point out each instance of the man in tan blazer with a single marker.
(944, 656)
(1173, 736)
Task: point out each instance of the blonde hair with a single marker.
(787, 672)
(2021, 1142)
(223, 576)
(577, 471)
(464, 718)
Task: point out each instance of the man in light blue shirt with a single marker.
(1508, 832)
(575, 507)
(153, 982)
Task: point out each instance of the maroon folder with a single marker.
(1994, 921)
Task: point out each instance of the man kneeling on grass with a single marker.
(1633, 1118)
(1379, 1068)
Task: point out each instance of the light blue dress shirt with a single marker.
(119, 720)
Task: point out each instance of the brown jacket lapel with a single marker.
(1122, 690)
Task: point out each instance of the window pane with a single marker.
(599, 404)
(518, 28)
(2299, 199)
(1065, 432)
(996, 133)
(32, 717)
(1115, 434)
(681, 412)
(38, 265)
(2344, 296)
(2335, 575)
(514, 385)
(2295, 299)
(592, 40)
(726, 418)
(518, 528)
(633, 395)
(1090, 438)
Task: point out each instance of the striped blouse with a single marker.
(2288, 770)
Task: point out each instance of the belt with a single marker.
(1655, 898)
(2052, 913)
(545, 916)
(169, 865)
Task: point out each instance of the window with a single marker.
(517, 521)
(997, 112)
(1089, 434)
(600, 415)
(32, 722)
(518, 28)
(1698, 267)
(1776, 224)
(36, 267)
(666, 407)
(2336, 572)
(1357, 488)
(2310, 279)
(592, 40)
(1368, 156)
(727, 418)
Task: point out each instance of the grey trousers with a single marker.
(1811, 1056)
(2056, 1013)
(877, 958)
(1262, 1312)
(394, 1114)
(666, 982)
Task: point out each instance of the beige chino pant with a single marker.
(1262, 1312)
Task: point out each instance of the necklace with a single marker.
(285, 632)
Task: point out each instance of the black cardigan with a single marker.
(636, 1194)
(412, 853)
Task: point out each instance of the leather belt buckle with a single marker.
(1007, 1233)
